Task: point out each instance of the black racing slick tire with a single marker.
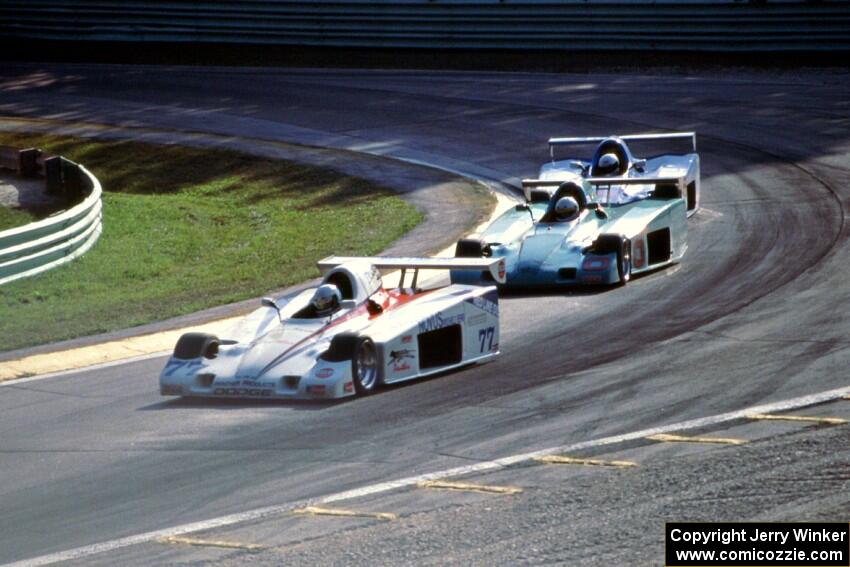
(470, 248)
(195, 345)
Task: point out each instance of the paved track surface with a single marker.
(755, 313)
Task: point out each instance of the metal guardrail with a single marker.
(39, 246)
(693, 25)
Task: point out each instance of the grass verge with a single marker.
(10, 218)
(187, 228)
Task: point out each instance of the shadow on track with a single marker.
(242, 403)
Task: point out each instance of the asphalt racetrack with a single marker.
(757, 312)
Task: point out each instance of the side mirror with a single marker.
(374, 307)
(640, 164)
(526, 207)
(347, 304)
(597, 208)
(270, 302)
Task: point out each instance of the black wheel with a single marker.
(365, 368)
(470, 248)
(194, 345)
(624, 261)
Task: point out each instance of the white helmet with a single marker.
(566, 209)
(326, 299)
(609, 164)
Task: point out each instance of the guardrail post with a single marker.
(72, 180)
(28, 162)
(53, 175)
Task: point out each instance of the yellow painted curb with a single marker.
(462, 486)
(802, 418)
(664, 437)
(316, 511)
(563, 460)
(210, 543)
(91, 355)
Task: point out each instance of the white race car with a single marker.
(348, 341)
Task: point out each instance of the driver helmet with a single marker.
(326, 299)
(566, 209)
(609, 164)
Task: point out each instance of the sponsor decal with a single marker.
(253, 392)
(485, 303)
(477, 320)
(595, 263)
(638, 253)
(325, 373)
(249, 382)
(398, 359)
(439, 321)
(501, 269)
(316, 390)
(244, 387)
(373, 276)
(407, 339)
(349, 387)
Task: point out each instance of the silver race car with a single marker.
(346, 337)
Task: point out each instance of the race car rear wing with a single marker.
(496, 266)
(628, 138)
(677, 182)
(529, 184)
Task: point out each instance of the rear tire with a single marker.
(195, 345)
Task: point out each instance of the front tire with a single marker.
(195, 345)
(365, 368)
(624, 261)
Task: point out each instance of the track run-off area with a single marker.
(754, 318)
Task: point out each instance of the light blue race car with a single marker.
(596, 221)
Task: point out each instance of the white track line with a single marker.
(485, 466)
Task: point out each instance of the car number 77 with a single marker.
(486, 338)
(175, 364)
